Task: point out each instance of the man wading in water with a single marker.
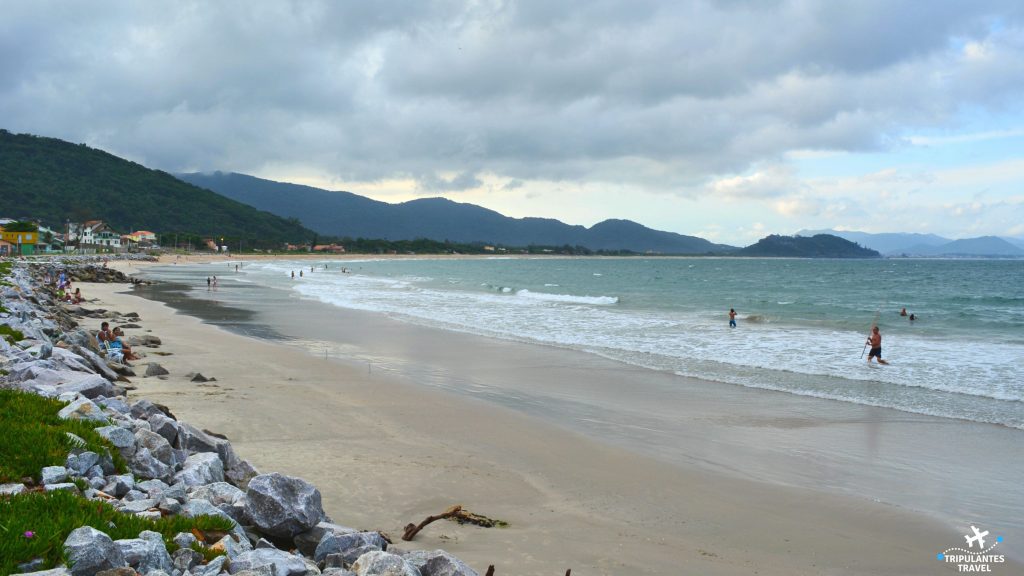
(876, 346)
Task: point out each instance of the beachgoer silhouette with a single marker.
(732, 318)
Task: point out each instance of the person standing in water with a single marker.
(732, 317)
(876, 346)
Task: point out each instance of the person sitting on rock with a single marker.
(104, 334)
(118, 342)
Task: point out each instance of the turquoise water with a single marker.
(802, 323)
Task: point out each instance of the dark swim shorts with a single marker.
(875, 352)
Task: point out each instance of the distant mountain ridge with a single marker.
(907, 244)
(344, 214)
(56, 181)
(817, 246)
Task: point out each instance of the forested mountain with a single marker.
(819, 246)
(346, 214)
(56, 181)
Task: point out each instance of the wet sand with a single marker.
(385, 451)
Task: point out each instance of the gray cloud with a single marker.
(663, 95)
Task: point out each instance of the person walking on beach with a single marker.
(207, 282)
(876, 346)
(732, 317)
(214, 282)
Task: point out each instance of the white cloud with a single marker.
(683, 98)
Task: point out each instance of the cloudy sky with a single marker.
(726, 119)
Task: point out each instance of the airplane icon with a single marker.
(978, 537)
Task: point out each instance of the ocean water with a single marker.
(802, 329)
(802, 324)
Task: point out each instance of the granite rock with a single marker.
(283, 506)
(88, 551)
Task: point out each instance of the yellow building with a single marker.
(25, 240)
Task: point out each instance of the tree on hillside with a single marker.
(20, 226)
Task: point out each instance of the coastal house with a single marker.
(329, 248)
(143, 237)
(23, 242)
(96, 235)
(50, 241)
(7, 249)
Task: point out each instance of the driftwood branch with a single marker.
(412, 529)
(456, 513)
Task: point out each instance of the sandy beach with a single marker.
(385, 452)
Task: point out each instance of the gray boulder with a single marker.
(45, 351)
(154, 369)
(307, 541)
(185, 539)
(81, 463)
(61, 486)
(199, 469)
(184, 559)
(144, 465)
(88, 551)
(146, 553)
(351, 546)
(54, 474)
(281, 563)
(379, 563)
(226, 497)
(88, 385)
(11, 489)
(115, 404)
(119, 437)
(282, 505)
(438, 563)
(212, 568)
(119, 485)
(195, 440)
(164, 426)
(144, 409)
(157, 445)
(154, 488)
(82, 409)
(240, 473)
(232, 546)
(137, 506)
(98, 363)
(218, 493)
(193, 508)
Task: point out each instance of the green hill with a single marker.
(819, 246)
(344, 214)
(55, 181)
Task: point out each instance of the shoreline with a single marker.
(615, 511)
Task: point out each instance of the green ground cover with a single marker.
(35, 524)
(34, 436)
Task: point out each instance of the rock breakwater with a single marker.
(278, 525)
